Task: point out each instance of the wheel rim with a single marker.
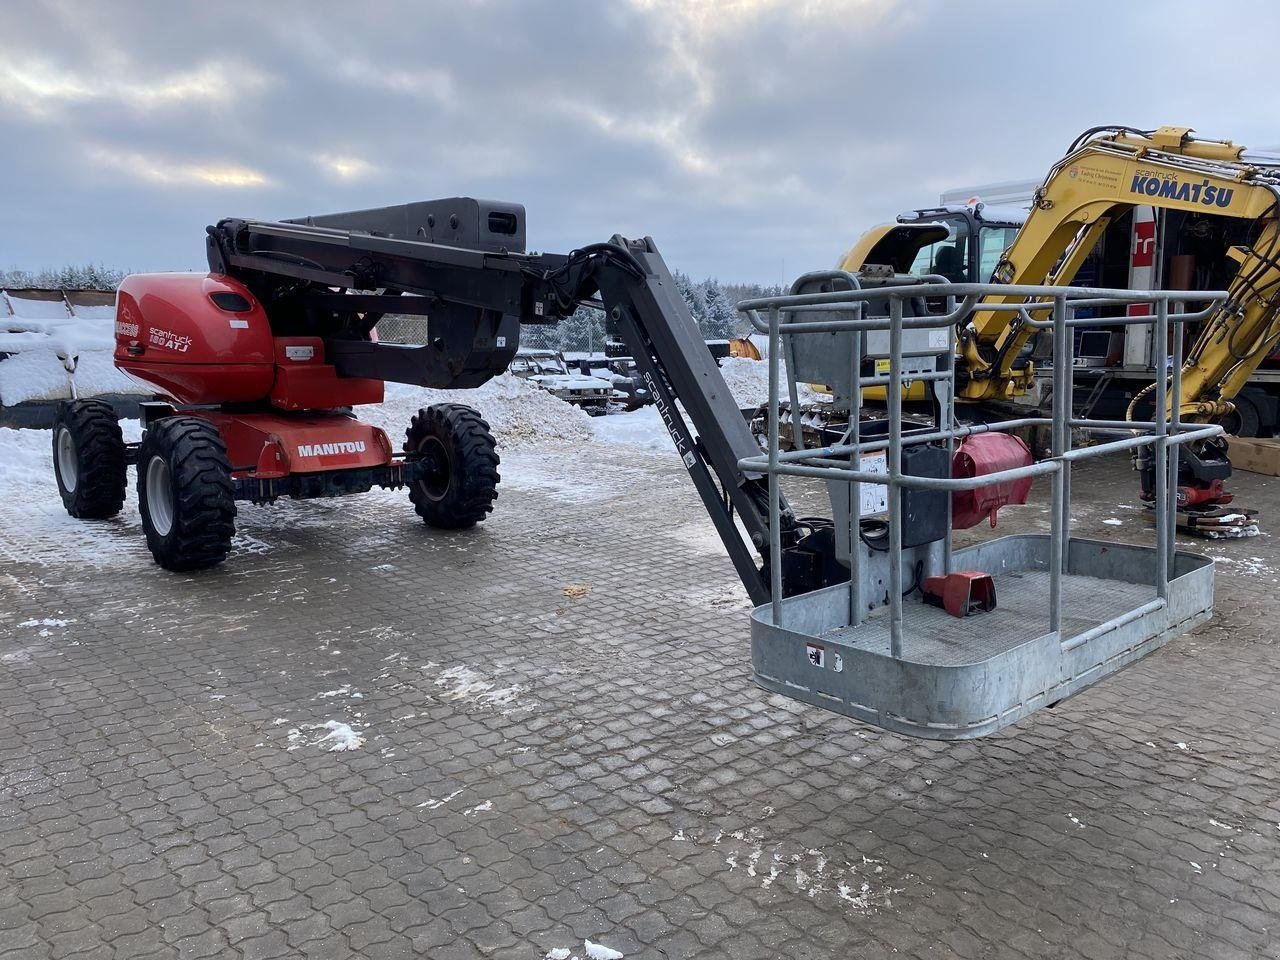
(435, 482)
(160, 495)
(68, 462)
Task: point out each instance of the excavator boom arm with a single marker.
(1091, 186)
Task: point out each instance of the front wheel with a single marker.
(460, 481)
(185, 494)
(89, 459)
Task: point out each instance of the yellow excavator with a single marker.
(1107, 172)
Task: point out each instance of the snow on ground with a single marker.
(436, 803)
(338, 737)
(547, 446)
(859, 883)
(642, 428)
(461, 683)
(590, 951)
(1255, 567)
(34, 526)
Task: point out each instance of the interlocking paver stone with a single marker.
(538, 770)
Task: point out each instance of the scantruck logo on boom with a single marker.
(1205, 193)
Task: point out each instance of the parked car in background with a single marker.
(629, 391)
(549, 371)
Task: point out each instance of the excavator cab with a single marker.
(962, 243)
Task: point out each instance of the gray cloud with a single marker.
(752, 138)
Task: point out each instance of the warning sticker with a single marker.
(874, 496)
(816, 653)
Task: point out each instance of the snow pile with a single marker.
(517, 411)
(340, 737)
(592, 951)
(461, 683)
(642, 428)
(55, 355)
(748, 381)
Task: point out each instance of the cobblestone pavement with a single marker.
(539, 769)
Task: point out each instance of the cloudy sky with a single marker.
(753, 139)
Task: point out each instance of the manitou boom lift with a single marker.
(259, 362)
(258, 359)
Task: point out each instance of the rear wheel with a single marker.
(89, 459)
(185, 494)
(461, 482)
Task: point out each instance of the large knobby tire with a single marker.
(185, 493)
(459, 488)
(89, 459)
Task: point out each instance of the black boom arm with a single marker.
(461, 263)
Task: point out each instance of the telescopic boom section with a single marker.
(335, 276)
(1105, 174)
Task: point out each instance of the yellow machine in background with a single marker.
(1106, 172)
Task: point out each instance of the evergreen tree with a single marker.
(693, 296)
(722, 321)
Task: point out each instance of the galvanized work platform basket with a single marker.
(1069, 611)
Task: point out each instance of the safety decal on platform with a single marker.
(299, 352)
(816, 653)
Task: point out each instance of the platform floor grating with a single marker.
(931, 635)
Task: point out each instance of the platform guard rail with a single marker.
(1049, 308)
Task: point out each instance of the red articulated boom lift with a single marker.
(258, 363)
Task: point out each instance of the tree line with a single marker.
(711, 303)
(87, 276)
